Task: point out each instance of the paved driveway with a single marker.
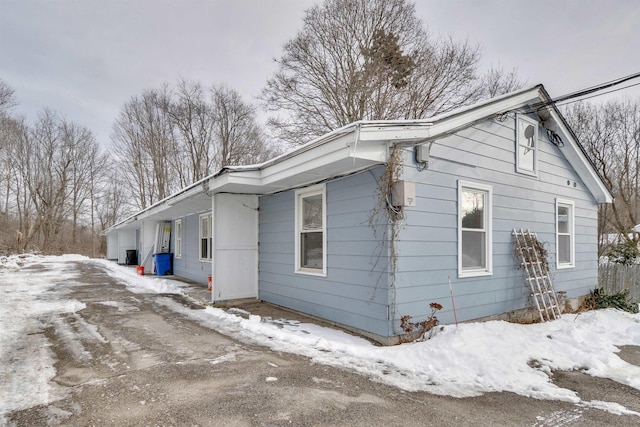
(127, 359)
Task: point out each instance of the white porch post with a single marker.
(147, 238)
(214, 281)
(235, 246)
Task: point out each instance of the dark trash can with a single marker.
(132, 257)
(162, 264)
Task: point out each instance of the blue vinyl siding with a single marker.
(189, 266)
(427, 247)
(355, 290)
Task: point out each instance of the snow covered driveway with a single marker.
(85, 342)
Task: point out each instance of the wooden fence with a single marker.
(615, 278)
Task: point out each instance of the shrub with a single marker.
(625, 252)
(599, 299)
(421, 328)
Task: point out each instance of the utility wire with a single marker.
(599, 94)
(597, 88)
(589, 91)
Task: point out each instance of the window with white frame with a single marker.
(205, 237)
(310, 214)
(177, 250)
(565, 234)
(474, 229)
(526, 145)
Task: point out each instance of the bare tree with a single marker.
(497, 81)
(44, 170)
(611, 135)
(192, 116)
(50, 172)
(7, 97)
(166, 139)
(9, 134)
(87, 165)
(110, 202)
(144, 140)
(366, 59)
(238, 137)
(53, 162)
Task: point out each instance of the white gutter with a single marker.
(382, 131)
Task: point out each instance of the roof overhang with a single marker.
(337, 157)
(359, 146)
(333, 155)
(573, 151)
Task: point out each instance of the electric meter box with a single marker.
(403, 193)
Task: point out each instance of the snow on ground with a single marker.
(26, 363)
(460, 361)
(140, 284)
(463, 361)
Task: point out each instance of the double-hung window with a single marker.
(565, 234)
(474, 229)
(205, 237)
(177, 250)
(526, 145)
(310, 238)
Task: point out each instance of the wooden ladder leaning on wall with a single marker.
(537, 271)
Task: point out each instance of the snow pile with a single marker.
(15, 261)
(140, 284)
(463, 361)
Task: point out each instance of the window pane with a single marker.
(312, 212)
(204, 226)
(564, 249)
(563, 219)
(204, 248)
(311, 250)
(526, 158)
(473, 209)
(473, 249)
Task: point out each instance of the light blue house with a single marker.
(376, 220)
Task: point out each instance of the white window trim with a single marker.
(210, 219)
(488, 270)
(572, 231)
(177, 249)
(299, 195)
(536, 149)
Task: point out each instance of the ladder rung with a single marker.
(541, 286)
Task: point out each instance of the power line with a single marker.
(588, 91)
(599, 94)
(597, 88)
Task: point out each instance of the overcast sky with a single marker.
(86, 58)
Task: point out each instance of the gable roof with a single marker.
(363, 144)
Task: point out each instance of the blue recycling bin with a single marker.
(162, 263)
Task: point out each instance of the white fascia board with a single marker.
(417, 131)
(394, 133)
(248, 179)
(167, 203)
(133, 220)
(315, 165)
(336, 157)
